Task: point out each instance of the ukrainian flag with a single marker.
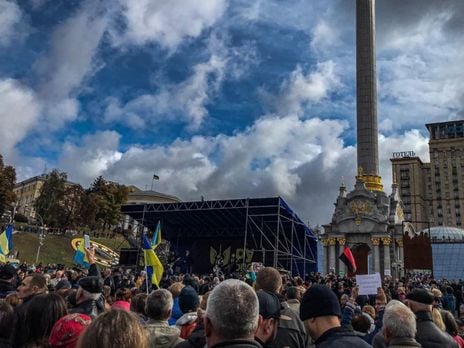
(80, 256)
(156, 236)
(153, 265)
(6, 242)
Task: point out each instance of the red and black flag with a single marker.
(347, 258)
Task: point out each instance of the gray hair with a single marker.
(233, 309)
(399, 321)
(159, 303)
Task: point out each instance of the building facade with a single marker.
(27, 192)
(433, 193)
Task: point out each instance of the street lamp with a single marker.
(39, 218)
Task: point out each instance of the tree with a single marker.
(50, 203)
(7, 182)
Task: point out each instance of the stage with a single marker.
(235, 232)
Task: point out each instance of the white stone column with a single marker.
(332, 242)
(325, 267)
(376, 243)
(386, 254)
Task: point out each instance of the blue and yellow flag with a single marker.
(156, 236)
(6, 242)
(80, 256)
(153, 265)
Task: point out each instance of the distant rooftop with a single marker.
(445, 233)
(446, 130)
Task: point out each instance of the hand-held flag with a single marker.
(153, 265)
(347, 258)
(156, 236)
(6, 242)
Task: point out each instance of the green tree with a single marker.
(50, 203)
(7, 182)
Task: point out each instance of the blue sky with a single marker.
(221, 99)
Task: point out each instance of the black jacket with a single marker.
(89, 307)
(6, 288)
(196, 339)
(340, 337)
(238, 344)
(429, 335)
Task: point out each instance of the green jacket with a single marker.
(161, 335)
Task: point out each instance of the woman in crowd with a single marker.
(115, 328)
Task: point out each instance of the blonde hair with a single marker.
(438, 319)
(369, 310)
(437, 293)
(115, 328)
(176, 288)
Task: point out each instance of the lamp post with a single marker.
(41, 237)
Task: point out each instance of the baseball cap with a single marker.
(269, 305)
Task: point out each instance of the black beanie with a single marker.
(188, 300)
(319, 301)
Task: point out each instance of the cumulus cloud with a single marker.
(19, 114)
(301, 89)
(10, 18)
(166, 22)
(70, 60)
(93, 155)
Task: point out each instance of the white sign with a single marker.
(368, 283)
(387, 272)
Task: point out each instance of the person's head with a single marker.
(232, 312)
(67, 330)
(204, 300)
(380, 301)
(369, 310)
(319, 310)
(344, 299)
(293, 293)
(43, 312)
(6, 318)
(361, 323)
(123, 294)
(176, 288)
(90, 288)
(33, 284)
(451, 326)
(449, 290)
(420, 300)
(7, 273)
(139, 303)
(114, 328)
(398, 322)
(159, 305)
(269, 316)
(189, 301)
(268, 279)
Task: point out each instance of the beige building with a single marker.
(27, 192)
(433, 192)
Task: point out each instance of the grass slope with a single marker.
(56, 249)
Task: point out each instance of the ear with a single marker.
(208, 326)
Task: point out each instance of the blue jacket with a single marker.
(176, 312)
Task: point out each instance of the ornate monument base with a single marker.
(369, 222)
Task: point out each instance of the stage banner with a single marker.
(368, 283)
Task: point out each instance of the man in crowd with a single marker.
(399, 326)
(33, 284)
(320, 312)
(428, 334)
(7, 278)
(232, 315)
(269, 316)
(158, 309)
(291, 333)
(293, 298)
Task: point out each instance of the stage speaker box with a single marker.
(128, 256)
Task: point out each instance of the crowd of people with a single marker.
(52, 306)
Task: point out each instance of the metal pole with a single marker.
(41, 238)
(276, 247)
(245, 239)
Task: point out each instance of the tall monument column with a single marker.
(366, 96)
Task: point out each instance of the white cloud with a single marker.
(10, 17)
(301, 89)
(93, 156)
(185, 101)
(64, 68)
(167, 22)
(19, 114)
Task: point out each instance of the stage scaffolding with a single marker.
(268, 226)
